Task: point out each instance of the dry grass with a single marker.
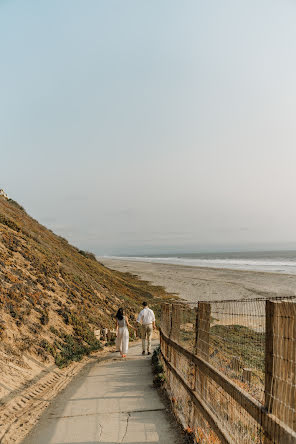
(53, 295)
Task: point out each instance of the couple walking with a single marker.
(146, 318)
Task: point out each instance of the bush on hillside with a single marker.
(44, 319)
(87, 254)
(16, 204)
(73, 349)
(157, 368)
(9, 223)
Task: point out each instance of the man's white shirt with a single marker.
(146, 316)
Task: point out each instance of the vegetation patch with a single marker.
(9, 223)
(157, 368)
(87, 254)
(16, 204)
(240, 341)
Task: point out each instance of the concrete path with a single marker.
(112, 402)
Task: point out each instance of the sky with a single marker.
(146, 126)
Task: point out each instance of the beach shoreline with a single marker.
(194, 284)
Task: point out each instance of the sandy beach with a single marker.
(199, 283)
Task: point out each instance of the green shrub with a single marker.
(159, 379)
(73, 349)
(9, 223)
(44, 318)
(2, 328)
(49, 348)
(16, 204)
(53, 330)
(157, 368)
(155, 356)
(87, 254)
(65, 315)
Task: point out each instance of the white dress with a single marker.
(122, 337)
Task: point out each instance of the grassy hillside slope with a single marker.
(53, 296)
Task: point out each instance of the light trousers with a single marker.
(146, 331)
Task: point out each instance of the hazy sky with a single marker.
(156, 125)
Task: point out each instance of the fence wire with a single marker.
(253, 344)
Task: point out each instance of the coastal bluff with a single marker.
(53, 296)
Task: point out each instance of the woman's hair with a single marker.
(119, 314)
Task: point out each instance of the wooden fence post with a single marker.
(236, 364)
(176, 322)
(105, 332)
(247, 375)
(163, 327)
(202, 343)
(166, 326)
(166, 318)
(280, 361)
(203, 321)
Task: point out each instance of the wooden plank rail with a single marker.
(273, 427)
(212, 419)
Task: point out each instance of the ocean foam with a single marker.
(278, 265)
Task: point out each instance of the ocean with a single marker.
(268, 261)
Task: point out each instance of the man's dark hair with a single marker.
(145, 304)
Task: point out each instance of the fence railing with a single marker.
(231, 369)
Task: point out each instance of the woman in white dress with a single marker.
(122, 339)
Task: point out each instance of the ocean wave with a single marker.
(272, 265)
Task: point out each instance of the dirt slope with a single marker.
(52, 297)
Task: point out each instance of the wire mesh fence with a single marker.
(237, 343)
(231, 368)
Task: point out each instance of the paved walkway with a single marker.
(112, 402)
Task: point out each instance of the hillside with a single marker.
(52, 297)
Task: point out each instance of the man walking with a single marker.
(147, 319)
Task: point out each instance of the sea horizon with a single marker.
(274, 261)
